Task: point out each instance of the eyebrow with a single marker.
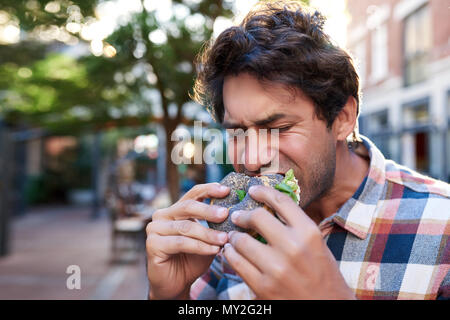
(262, 122)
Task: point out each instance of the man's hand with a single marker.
(179, 249)
(295, 263)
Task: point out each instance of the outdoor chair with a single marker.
(127, 233)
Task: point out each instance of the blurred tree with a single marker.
(152, 52)
(31, 82)
(30, 28)
(59, 93)
(157, 51)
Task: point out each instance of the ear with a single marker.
(345, 122)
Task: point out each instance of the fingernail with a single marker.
(230, 234)
(222, 237)
(235, 215)
(215, 248)
(223, 188)
(227, 245)
(253, 189)
(222, 211)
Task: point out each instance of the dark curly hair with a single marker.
(280, 42)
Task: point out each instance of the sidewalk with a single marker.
(45, 242)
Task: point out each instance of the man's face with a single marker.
(304, 142)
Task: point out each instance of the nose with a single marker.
(259, 150)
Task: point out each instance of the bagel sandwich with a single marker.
(239, 199)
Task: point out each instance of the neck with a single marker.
(351, 169)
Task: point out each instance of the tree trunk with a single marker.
(95, 174)
(173, 178)
(7, 164)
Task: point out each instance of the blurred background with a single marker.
(91, 92)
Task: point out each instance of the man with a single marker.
(365, 227)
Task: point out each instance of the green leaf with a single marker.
(289, 175)
(261, 239)
(293, 196)
(283, 187)
(292, 184)
(241, 194)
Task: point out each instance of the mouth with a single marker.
(272, 172)
(265, 173)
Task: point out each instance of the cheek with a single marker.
(302, 144)
(305, 153)
(295, 149)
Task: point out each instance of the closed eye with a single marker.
(282, 129)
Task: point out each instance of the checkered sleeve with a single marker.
(205, 287)
(220, 282)
(444, 289)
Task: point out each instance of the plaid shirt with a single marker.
(390, 239)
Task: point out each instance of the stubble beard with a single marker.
(321, 177)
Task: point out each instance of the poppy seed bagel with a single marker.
(238, 181)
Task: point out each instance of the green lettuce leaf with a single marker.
(287, 185)
(241, 194)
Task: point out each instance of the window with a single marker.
(416, 138)
(416, 115)
(417, 44)
(378, 122)
(379, 53)
(377, 128)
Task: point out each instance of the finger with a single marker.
(189, 229)
(263, 222)
(282, 204)
(246, 270)
(207, 190)
(251, 249)
(180, 244)
(191, 209)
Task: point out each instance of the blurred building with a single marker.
(402, 49)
